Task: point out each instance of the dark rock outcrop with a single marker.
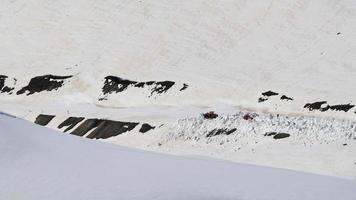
(70, 122)
(262, 99)
(103, 128)
(281, 136)
(269, 93)
(43, 83)
(116, 84)
(108, 128)
(210, 115)
(43, 120)
(146, 127)
(317, 106)
(284, 97)
(314, 106)
(340, 107)
(3, 87)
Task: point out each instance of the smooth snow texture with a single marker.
(38, 163)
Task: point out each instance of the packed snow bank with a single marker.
(243, 126)
(37, 163)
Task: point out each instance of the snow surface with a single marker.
(227, 51)
(38, 163)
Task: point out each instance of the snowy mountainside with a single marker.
(38, 163)
(120, 64)
(228, 52)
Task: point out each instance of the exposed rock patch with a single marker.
(108, 128)
(70, 122)
(277, 135)
(43, 120)
(3, 87)
(270, 133)
(262, 99)
(210, 115)
(43, 83)
(269, 93)
(340, 107)
(281, 136)
(185, 86)
(318, 106)
(116, 84)
(146, 127)
(314, 106)
(216, 132)
(284, 97)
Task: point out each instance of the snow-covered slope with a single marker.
(165, 62)
(227, 52)
(38, 163)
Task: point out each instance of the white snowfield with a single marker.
(39, 163)
(228, 52)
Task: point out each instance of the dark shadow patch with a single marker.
(3, 87)
(71, 122)
(43, 120)
(216, 132)
(314, 106)
(338, 33)
(43, 83)
(284, 97)
(185, 86)
(281, 136)
(146, 127)
(269, 93)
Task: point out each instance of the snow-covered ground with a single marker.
(228, 52)
(38, 163)
(165, 62)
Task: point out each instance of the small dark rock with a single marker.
(216, 132)
(281, 135)
(284, 97)
(269, 93)
(270, 133)
(185, 86)
(314, 106)
(261, 99)
(210, 115)
(146, 127)
(248, 117)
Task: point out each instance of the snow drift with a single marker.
(37, 163)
